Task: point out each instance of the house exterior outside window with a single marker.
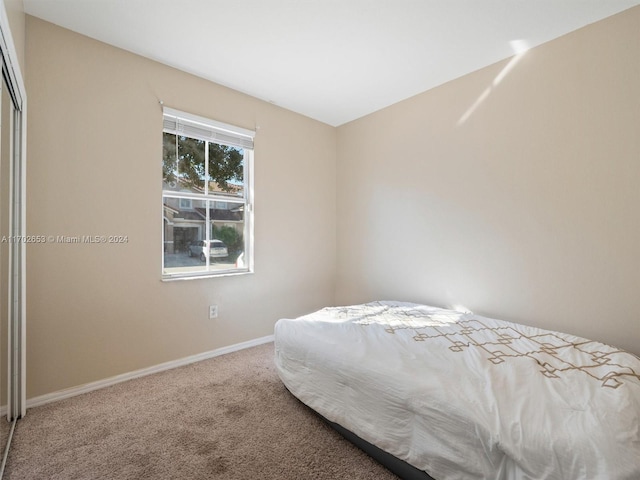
(207, 195)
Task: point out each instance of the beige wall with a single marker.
(525, 207)
(94, 149)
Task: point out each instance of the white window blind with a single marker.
(186, 124)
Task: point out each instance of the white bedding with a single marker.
(466, 397)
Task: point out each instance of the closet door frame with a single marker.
(16, 345)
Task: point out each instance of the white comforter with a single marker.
(466, 397)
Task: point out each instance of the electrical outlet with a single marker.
(213, 311)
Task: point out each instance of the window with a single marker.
(207, 210)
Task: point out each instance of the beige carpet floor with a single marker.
(5, 429)
(225, 418)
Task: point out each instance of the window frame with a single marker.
(181, 124)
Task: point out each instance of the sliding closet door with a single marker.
(12, 147)
(5, 176)
(12, 232)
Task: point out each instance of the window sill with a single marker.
(174, 278)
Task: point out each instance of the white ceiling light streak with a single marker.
(520, 47)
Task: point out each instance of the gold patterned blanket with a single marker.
(462, 396)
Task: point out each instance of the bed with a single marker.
(461, 396)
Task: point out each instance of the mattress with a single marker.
(461, 396)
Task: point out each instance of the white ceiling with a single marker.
(332, 60)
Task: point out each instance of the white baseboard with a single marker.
(107, 382)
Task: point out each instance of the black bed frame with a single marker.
(397, 466)
(401, 468)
